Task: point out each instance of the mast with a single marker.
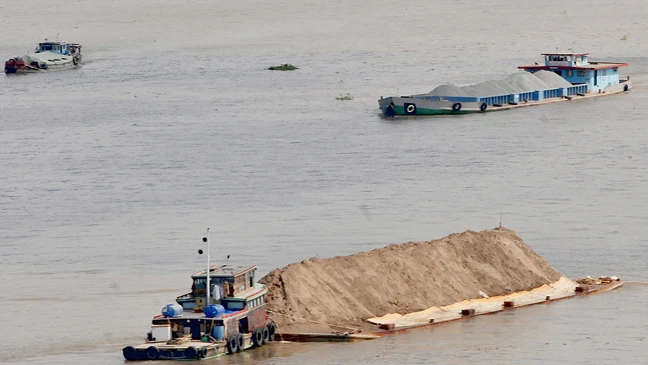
(208, 281)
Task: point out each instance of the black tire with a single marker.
(456, 107)
(232, 345)
(130, 353)
(483, 107)
(240, 342)
(266, 335)
(257, 337)
(203, 352)
(75, 61)
(389, 111)
(272, 329)
(152, 353)
(191, 353)
(625, 87)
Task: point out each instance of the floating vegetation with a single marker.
(344, 97)
(284, 67)
(625, 38)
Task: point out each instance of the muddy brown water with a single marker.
(110, 173)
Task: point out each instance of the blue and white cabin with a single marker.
(576, 68)
(59, 48)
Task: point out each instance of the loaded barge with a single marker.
(577, 78)
(227, 316)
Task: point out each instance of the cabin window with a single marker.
(235, 305)
(581, 73)
(569, 73)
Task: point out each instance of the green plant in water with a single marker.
(284, 67)
(625, 38)
(344, 97)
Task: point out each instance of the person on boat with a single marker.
(216, 293)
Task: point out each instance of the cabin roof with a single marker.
(591, 66)
(55, 43)
(224, 271)
(565, 54)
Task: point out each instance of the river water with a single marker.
(110, 174)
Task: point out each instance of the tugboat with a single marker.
(49, 56)
(562, 77)
(227, 316)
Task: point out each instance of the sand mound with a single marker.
(447, 90)
(552, 79)
(518, 82)
(404, 278)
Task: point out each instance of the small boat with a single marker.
(225, 317)
(562, 77)
(49, 56)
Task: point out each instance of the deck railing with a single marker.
(535, 95)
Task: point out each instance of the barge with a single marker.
(49, 56)
(562, 77)
(227, 316)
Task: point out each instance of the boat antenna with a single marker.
(57, 35)
(500, 219)
(208, 284)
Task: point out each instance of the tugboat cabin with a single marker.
(229, 286)
(234, 288)
(576, 68)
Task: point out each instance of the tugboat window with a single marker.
(581, 73)
(235, 305)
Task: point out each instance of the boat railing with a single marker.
(536, 95)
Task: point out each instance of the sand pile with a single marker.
(516, 83)
(403, 278)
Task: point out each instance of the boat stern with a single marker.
(13, 65)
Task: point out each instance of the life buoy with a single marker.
(410, 108)
(152, 353)
(240, 342)
(232, 345)
(266, 335)
(483, 107)
(191, 353)
(456, 107)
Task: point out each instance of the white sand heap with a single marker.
(516, 83)
(405, 278)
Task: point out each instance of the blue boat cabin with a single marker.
(59, 48)
(576, 68)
